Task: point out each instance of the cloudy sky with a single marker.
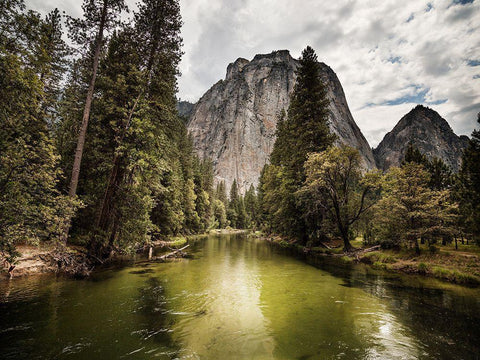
(389, 55)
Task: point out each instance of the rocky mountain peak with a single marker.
(429, 132)
(233, 69)
(234, 122)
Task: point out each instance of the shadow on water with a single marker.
(444, 317)
(155, 323)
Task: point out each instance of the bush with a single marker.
(423, 268)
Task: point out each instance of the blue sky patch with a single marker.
(417, 98)
(473, 62)
(461, 2)
(393, 60)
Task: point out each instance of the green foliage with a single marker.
(423, 268)
(410, 210)
(441, 176)
(220, 214)
(251, 206)
(468, 187)
(140, 177)
(336, 191)
(31, 207)
(303, 130)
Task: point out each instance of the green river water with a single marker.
(237, 298)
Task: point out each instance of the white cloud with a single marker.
(383, 51)
(379, 57)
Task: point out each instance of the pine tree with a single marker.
(99, 16)
(468, 186)
(232, 210)
(31, 208)
(413, 155)
(250, 201)
(221, 193)
(441, 175)
(304, 130)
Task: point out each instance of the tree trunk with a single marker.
(417, 247)
(346, 242)
(86, 114)
(112, 179)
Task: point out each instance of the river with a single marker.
(237, 298)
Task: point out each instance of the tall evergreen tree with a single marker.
(468, 186)
(305, 130)
(232, 210)
(31, 208)
(99, 16)
(251, 207)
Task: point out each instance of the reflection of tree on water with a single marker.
(435, 316)
(438, 317)
(157, 324)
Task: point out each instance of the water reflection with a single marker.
(236, 299)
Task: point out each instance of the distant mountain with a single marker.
(185, 109)
(234, 122)
(429, 132)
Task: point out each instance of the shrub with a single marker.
(423, 268)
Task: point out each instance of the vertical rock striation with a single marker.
(234, 122)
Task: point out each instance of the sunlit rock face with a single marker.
(426, 130)
(234, 122)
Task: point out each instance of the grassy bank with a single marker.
(460, 266)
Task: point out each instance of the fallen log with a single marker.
(373, 248)
(173, 253)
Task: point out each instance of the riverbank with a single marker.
(445, 263)
(42, 259)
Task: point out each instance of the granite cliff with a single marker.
(234, 122)
(429, 132)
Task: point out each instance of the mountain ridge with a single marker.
(426, 130)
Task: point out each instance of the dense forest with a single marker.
(92, 150)
(94, 153)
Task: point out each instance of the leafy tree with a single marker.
(409, 210)
(441, 176)
(220, 214)
(336, 187)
